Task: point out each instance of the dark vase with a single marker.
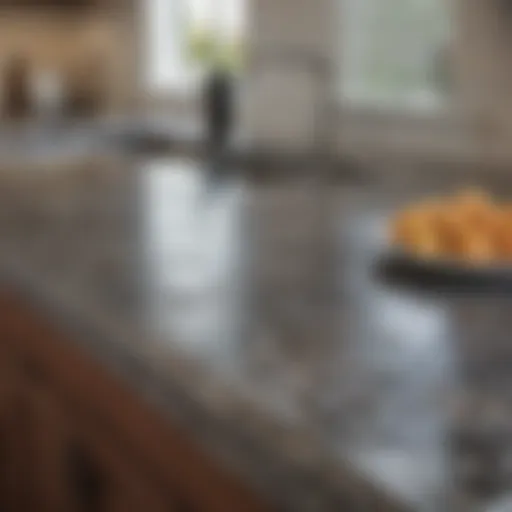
(218, 109)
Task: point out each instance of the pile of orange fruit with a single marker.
(469, 226)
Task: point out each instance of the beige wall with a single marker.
(478, 124)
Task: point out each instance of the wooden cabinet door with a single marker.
(8, 471)
(16, 456)
(78, 468)
(126, 488)
(51, 440)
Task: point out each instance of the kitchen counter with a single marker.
(66, 139)
(254, 316)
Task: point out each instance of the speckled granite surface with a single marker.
(255, 317)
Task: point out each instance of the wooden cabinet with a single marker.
(77, 468)
(73, 439)
(15, 452)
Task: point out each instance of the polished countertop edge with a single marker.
(267, 455)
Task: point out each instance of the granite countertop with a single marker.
(255, 316)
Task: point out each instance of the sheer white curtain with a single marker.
(395, 52)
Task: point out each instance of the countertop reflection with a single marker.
(254, 313)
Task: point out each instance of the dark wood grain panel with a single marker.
(164, 469)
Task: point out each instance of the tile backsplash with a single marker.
(85, 54)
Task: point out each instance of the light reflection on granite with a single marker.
(404, 424)
(239, 312)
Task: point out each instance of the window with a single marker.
(396, 52)
(184, 36)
